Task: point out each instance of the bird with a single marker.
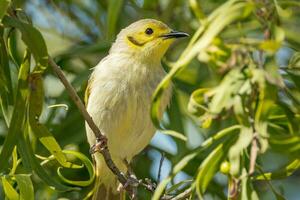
(118, 97)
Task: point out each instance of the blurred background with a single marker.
(78, 34)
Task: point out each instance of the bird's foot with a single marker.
(149, 184)
(132, 182)
(101, 144)
(131, 185)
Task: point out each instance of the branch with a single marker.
(253, 154)
(99, 136)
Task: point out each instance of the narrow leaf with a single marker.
(33, 39)
(36, 99)
(114, 9)
(3, 7)
(284, 172)
(27, 154)
(174, 134)
(18, 115)
(160, 188)
(87, 163)
(25, 186)
(9, 191)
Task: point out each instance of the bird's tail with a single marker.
(106, 182)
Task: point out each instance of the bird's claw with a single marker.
(101, 144)
(131, 181)
(149, 184)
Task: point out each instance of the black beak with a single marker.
(174, 34)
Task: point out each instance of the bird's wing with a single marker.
(90, 82)
(88, 90)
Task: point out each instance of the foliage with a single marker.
(234, 114)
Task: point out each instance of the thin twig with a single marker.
(233, 189)
(253, 154)
(183, 195)
(180, 196)
(75, 98)
(160, 166)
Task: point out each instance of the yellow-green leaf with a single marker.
(18, 115)
(9, 191)
(33, 39)
(3, 7)
(25, 186)
(36, 99)
(114, 10)
(174, 134)
(87, 163)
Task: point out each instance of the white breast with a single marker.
(119, 103)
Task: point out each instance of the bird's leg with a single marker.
(130, 173)
(132, 181)
(129, 169)
(101, 143)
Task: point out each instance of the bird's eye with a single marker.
(149, 31)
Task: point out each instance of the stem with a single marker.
(160, 166)
(253, 154)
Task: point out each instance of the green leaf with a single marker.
(177, 168)
(15, 161)
(209, 167)
(233, 11)
(174, 134)
(206, 144)
(178, 185)
(278, 34)
(247, 190)
(292, 38)
(25, 186)
(270, 46)
(295, 76)
(284, 172)
(239, 109)
(33, 39)
(289, 144)
(78, 51)
(18, 115)
(114, 9)
(160, 188)
(219, 135)
(3, 7)
(283, 13)
(6, 91)
(196, 102)
(277, 195)
(294, 69)
(9, 191)
(294, 62)
(197, 10)
(243, 141)
(222, 94)
(36, 99)
(183, 162)
(29, 158)
(87, 163)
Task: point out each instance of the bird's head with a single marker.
(146, 38)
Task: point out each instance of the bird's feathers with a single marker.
(118, 98)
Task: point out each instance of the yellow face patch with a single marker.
(145, 33)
